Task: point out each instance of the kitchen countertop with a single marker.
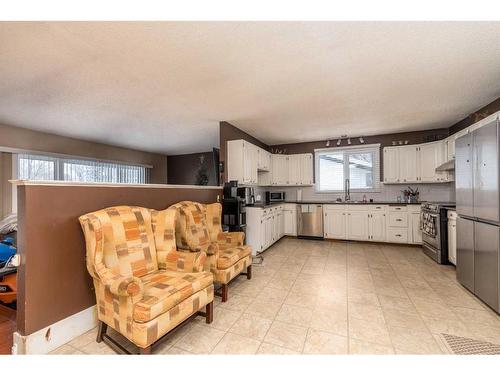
(392, 203)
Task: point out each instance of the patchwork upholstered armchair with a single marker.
(144, 287)
(198, 228)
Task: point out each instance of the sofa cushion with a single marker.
(166, 289)
(228, 257)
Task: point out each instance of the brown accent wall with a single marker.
(25, 139)
(183, 169)
(52, 279)
(384, 140)
(228, 132)
(474, 117)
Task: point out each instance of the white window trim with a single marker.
(375, 147)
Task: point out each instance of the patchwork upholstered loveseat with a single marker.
(144, 286)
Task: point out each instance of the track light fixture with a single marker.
(348, 141)
(327, 143)
(339, 141)
(361, 140)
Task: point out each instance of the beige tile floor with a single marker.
(323, 297)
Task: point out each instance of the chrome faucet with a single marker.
(347, 190)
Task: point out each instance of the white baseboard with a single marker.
(50, 338)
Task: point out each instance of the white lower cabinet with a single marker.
(264, 227)
(376, 226)
(334, 221)
(290, 219)
(357, 224)
(378, 223)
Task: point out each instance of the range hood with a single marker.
(446, 166)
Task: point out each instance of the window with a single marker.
(359, 164)
(40, 167)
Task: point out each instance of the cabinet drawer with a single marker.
(397, 235)
(399, 220)
(377, 208)
(334, 207)
(357, 207)
(398, 209)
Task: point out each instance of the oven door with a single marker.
(429, 236)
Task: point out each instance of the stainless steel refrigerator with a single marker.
(478, 207)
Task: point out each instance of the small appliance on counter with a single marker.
(275, 196)
(247, 194)
(233, 208)
(434, 225)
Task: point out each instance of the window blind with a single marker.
(40, 167)
(359, 164)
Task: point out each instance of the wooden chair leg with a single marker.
(146, 350)
(249, 272)
(101, 331)
(209, 313)
(224, 292)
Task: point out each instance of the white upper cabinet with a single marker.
(252, 165)
(415, 163)
(306, 169)
(242, 162)
(294, 166)
(391, 164)
(279, 169)
(408, 164)
(431, 157)
(264, 160)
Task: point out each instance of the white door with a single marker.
(248, 156)
(290, 225)
(269, 231)
(294, 164)
(408, 164)
(279, 169)
(391, 164)
(431, 155)
(334, 224)
(281, 222)
(377, 226)
(415, 228)
(306, 169)
(357, 225)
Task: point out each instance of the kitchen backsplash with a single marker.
(428, 192)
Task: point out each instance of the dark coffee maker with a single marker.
(233, 208)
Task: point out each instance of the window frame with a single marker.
(60, 161)
(346, 151)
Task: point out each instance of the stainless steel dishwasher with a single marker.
(310, 220)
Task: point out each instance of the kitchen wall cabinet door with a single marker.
(357, 225)
(290, 222)
(264, 160)
(306, 169)
(408, 166)
(334, 224)
(391, 164)
(377, 226)
(294, 175)
(279, 168)
(431, 155)
(242, 162)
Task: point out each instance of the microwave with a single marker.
(275, 196)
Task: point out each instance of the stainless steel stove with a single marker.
(434, 225)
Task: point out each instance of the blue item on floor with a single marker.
(7, 249)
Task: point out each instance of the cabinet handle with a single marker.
(398, 235)
(399, 219)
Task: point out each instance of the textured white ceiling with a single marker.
(163, 86)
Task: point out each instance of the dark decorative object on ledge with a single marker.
(202, 173)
